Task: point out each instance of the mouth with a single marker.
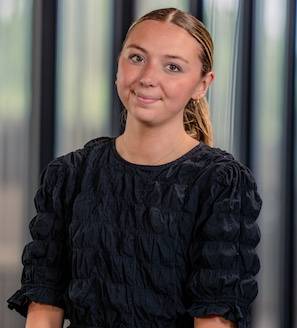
(146, 99)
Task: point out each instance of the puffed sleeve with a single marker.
(45, 266)
(222, 252)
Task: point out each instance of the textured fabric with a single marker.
(117, 244)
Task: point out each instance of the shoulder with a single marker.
(60, 178)
(221, 167)
(229, 183)
(68, 166)
(75, 158)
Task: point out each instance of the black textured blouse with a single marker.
(124, 245)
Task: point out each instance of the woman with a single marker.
(155, 227)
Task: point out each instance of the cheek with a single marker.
(125, 75)
(179, 90)
(124, 82)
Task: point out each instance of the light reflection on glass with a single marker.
(83, 71)
(142, 7)
(268, 84)
(221, 19)
(15, 100)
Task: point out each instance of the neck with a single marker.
(154, 145)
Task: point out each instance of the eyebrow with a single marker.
(167, 56)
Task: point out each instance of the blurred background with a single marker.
(57, 72)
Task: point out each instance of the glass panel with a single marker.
(15, 98)
(270, 45)
(142, 6)
(83, 72)
(222, 20)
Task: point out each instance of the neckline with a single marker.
(148, 166)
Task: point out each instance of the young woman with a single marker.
(154, 227)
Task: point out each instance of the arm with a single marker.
(222, 252)
(45, 274)
(213, 321)
(45, 316)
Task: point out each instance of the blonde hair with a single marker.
(197, 122)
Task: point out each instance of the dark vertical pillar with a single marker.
(123, 14)
(44, 75)
(196, 8)
(48, 79)
(289, 169)
(244, 96)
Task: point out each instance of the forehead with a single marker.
(156, 35)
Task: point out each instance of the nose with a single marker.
(149, 76)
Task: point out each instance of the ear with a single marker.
(203, 84)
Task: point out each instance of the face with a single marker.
(159, 71)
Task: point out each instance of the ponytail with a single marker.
(197, 121)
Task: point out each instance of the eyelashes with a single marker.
(135, 58)
(138, 59)
(175, 67)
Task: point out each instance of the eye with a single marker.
(136, 58)
(174, 68)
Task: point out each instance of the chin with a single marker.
(143, 116)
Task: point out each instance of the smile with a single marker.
(145, 99)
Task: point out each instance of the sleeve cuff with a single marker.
(20, 300)
(239, 314)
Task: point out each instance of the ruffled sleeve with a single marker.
(45, 273)
(222, 252)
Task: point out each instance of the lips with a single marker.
(146, 98)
